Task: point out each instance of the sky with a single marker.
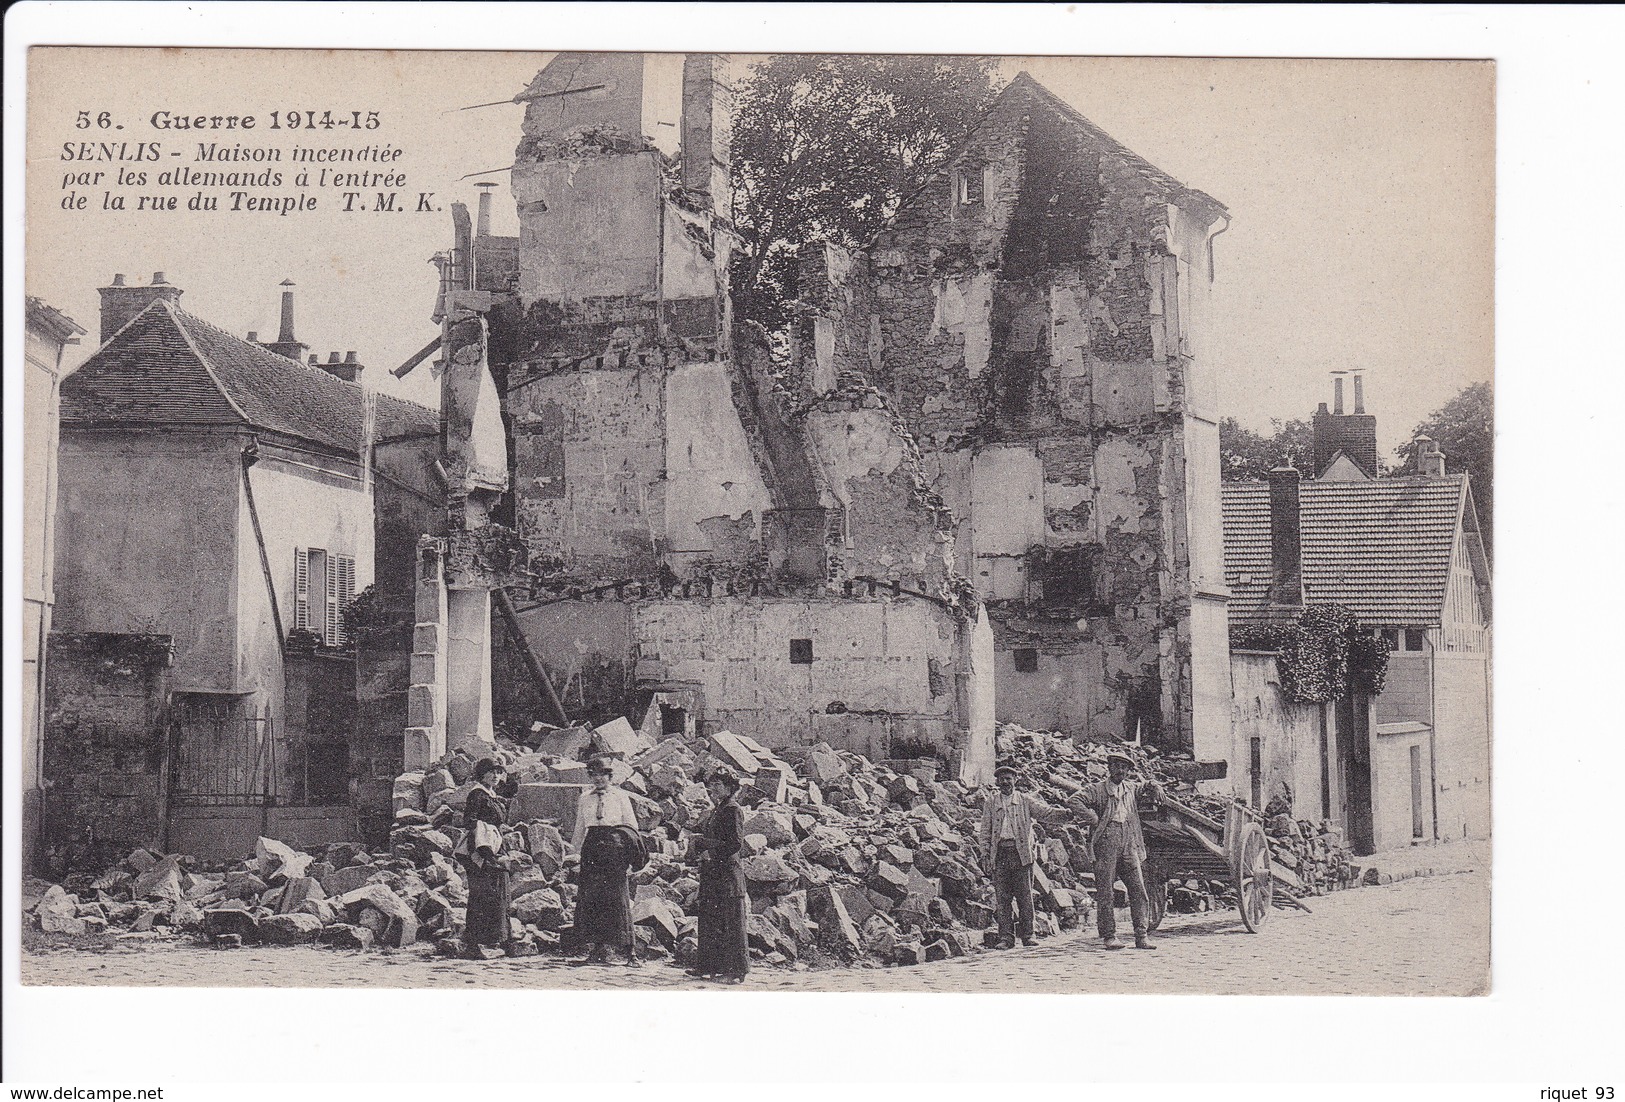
(1361, 196)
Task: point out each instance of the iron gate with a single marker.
(219, 757)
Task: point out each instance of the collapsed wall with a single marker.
(686, 522)
(1035, 315)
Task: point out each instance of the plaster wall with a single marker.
(1463, 744)
(1407, 694)
(1289, 734)
(42, 356)
(1207, 656)
(589, 226)
(1393, 801)
(148, 542)
(891, 669)
(589, 449)
(714, 493)
(890, 532)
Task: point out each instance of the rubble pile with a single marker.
(848, 861)
(1308, 858)
(338, 895)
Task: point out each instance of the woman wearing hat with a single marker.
(723, 905)
(607, 838)
(486, 928)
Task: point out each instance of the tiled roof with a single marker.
(1026, 90)
(167, 366)
(1164, 184)
(1381, 548)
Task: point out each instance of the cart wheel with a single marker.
(1157, 889)
(1255, 885)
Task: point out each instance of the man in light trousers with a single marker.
(1009, 847)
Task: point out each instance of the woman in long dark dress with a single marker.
(724, 907)
(486, 928)
(606, 836)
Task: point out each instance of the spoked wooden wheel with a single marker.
(1156, 887)
(1255, 886)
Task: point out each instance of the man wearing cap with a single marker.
(1008, 846)
(1119, 848)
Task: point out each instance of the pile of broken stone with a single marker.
(848, 861)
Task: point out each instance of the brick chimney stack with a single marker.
(286, 343)
(1429, 459)
(482, 220)
(1353, 434)
(348, 369)
(707, 128)
(120, 303)
(1286, 546)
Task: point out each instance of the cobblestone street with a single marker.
(1425, 935)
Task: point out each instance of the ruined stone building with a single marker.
(47, 332)
(991, 458)
(216, 514)
(692, 535)
(1405, 556)
(1038, 317)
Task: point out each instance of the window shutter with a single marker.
(301, 589)
(330, 630)
(346, 573)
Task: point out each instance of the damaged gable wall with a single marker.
(660, 466)
(1027, 318)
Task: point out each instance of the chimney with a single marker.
(482, 224)
(348, 369)
(253, 337)
(707, 128)
(286, 343)
(1429, 459)
(120, 303)
(1353, 434)
(1286, 548)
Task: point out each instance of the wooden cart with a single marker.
(1183, 843)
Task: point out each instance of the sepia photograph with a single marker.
(897, 543)
(810, 522)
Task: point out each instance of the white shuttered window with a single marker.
(301, 588)
(324, 586)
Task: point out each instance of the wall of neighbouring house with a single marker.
(1290, 751)
(409, 502)
(104, 749)
(304, 500)
(1407, 694)
(147, 539)
(1463, 746)
(42, 360)
(319, 714)
(1401, 771)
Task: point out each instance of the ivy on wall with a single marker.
(1321, 655)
